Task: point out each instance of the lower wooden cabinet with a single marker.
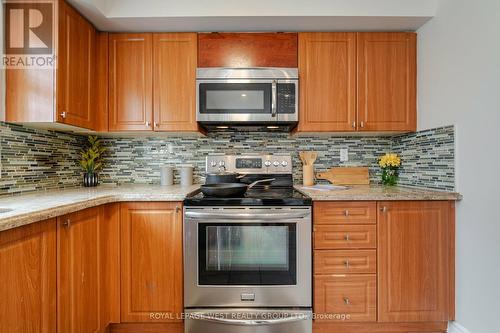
(28, 278)
(151, 262)
(79, 273)
(415, 261)
(353, 296)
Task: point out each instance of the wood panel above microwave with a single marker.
(247, 50)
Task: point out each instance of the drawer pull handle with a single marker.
(346, 212)
(347, 263)
(347, 301)
(346, 237)
(67, 223)
(383, 209)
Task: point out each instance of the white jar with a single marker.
(186, 175)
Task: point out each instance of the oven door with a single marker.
(246, 100)
(247, 257)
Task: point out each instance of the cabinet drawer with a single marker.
(345, 237)
(345, 212)
(353, 295)
(345, 261)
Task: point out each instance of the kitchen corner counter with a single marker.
(38, 206)
(379, 193)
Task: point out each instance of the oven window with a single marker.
(230, 98)
(247, 254)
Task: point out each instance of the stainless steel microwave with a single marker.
(247, 97)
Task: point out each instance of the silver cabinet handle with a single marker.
(353, 124)
(155, 124)
(347, 301)
(383, 209)
(251, 322)
(346, 212)
(148, 123)
(63, 114)
(273, 99)
(362, 124)
(346, 237)
(67, 223)
(347, 264)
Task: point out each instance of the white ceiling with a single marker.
(257, 15)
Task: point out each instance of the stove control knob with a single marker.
(222, 163)
(267, 163)
(213, 164)
(284, 163)
(276, 163)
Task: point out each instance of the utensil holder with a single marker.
(308, 175)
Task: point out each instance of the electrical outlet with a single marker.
(344, 155)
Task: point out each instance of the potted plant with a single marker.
(91, 161)
(390, 164)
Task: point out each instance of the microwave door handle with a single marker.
(273, 99)
(252, 322)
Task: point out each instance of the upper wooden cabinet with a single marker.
(31, 94)
(247, 50)
(76, 71)
(28, 278)
(174, 88)
(415, 261)
(357, 82)
(130, 82)
(327, 70)
(142, 101)
(387, 81)
(151, 261)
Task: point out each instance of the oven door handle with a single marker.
(247, 216)
(250, 322)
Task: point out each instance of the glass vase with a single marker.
(390, 176)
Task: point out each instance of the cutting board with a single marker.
(346, 176)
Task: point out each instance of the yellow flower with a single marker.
(389, 160)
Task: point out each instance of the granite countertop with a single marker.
(378, 193)
(38, 206)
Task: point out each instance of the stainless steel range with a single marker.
(247, 260)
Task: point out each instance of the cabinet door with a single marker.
(130, 82)
(175, 82)
(79, 308)
(76, 69)
(387, 81)
(28, 278)
(151, 261)
(415, 263)
(327, 70)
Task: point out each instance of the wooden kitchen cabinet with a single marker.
(415, 261)
(151, 261)
(130, 82)
(80, 285)
(357, 82)
(152, 82)
(28, 278)
(354, 295)
(245, 50)
(327, 71)
(387, 81)
(31, 94)
(174, 87)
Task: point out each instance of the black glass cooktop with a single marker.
(254, 197)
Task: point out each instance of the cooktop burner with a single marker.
(254, 197)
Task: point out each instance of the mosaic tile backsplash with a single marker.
(35, 159)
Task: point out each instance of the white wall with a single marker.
(459, 83)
